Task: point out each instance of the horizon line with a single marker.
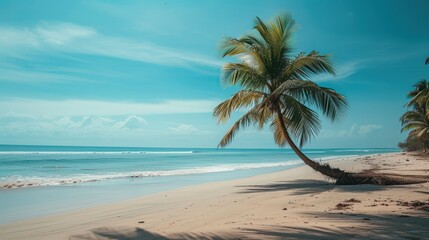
(89, 146)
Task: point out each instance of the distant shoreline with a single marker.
(212, 148)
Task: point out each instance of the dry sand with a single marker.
(293, 204)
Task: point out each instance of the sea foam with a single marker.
(28, 181)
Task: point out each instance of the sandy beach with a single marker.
(292, 204)
(214, 120)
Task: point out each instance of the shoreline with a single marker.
(226, 208)
(66, 198)
(293, 163)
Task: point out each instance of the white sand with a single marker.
(293, 204)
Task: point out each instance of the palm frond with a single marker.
(416, 114)
(233, 46)
(415, 125)
(244, 75)
(305, 66)
(422, 132)
(277, 33)
(253, 116)
(243, 98)
(263, 30)
(331, 103)
(244, 121)
(302, 122)
(419, 95)
(278, 135)
(264, 114)
(417, 122)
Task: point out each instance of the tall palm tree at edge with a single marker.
(276, 90)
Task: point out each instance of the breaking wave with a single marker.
(21, 181)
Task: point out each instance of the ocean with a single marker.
(42, 180)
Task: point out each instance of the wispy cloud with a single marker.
(69, 125)
(352, 66)
(343, 70)
(36, 107)
(355, 130)
(48, 37)
(22, 75)
(184, 129)
(132, 122)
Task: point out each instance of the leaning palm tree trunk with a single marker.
(347, 178)
(343, 177)
(325, 169)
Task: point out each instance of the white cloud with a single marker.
(68, 37)
(132, 122)
(37, 107)
(94, 123)
(66, 122)
(184, 129)
(13, 39)
(62, 33)
(68, 125)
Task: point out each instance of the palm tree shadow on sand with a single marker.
(140, 233)
(359, 226)
(306, 186)
(112, 233)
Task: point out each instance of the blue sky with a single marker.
(146, 73)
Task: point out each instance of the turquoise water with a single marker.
(42, 180)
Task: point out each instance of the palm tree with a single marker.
(417, 121)
(420, 95)
(276, 90)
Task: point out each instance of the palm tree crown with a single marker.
(419, 95)
(275, 85)
(417, 121)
